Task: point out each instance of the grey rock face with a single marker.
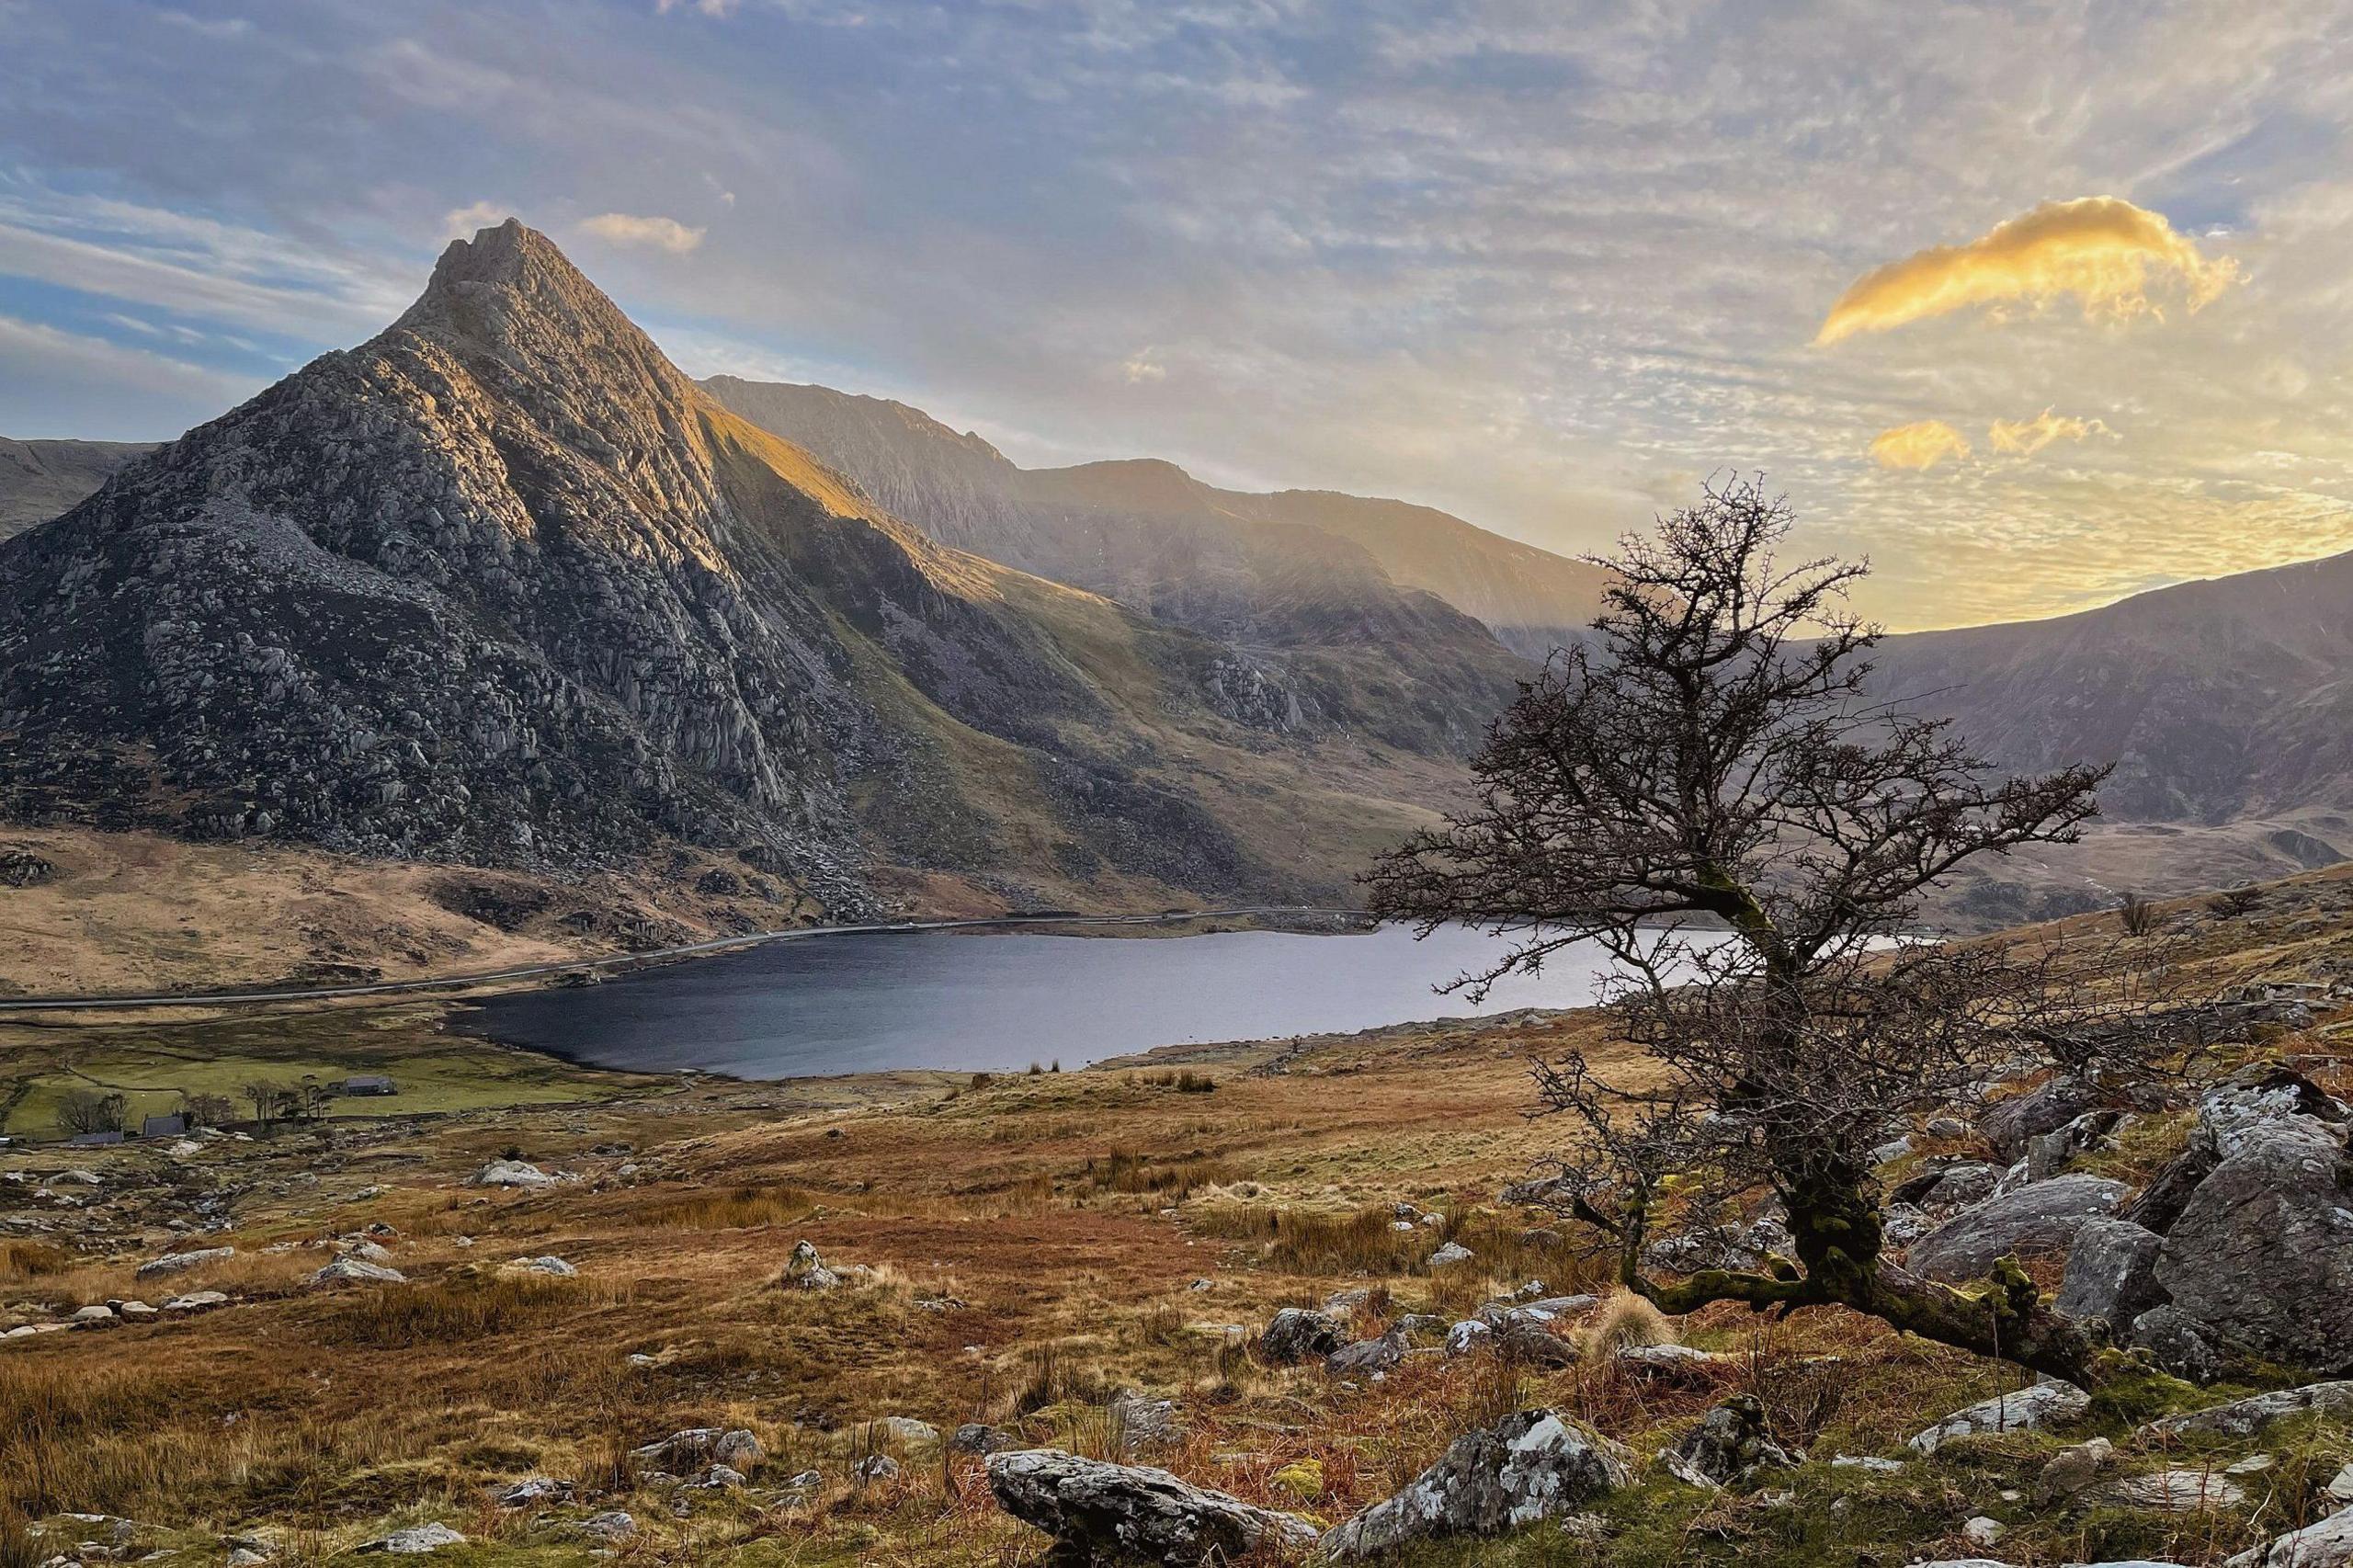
(978, 1437)
(2111, 1273)
(2172, 1492)
(413, 1542)
(358, 1271)
(2041, 1217)
(2028, 1409)
(805, 1270)
(2263, 1250)
(1367, 1357)
(179, 1262)
(1299, 1334)
(2327, 1544)
(1532, 1465)
(1096, 1509)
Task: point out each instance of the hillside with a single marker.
(1150, 534)
(41, 479)
(501, 585)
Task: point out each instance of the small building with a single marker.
(172, 1126)
(93, 1140)
(368, 1084)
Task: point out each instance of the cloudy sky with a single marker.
(2036, 304)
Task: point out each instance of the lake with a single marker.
(997, 1003)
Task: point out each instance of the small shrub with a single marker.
(2137, 915)
(1625, 1321)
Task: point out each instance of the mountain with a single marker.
(41, 479)
(1148, 533)
(2226, 706)
(501, 585)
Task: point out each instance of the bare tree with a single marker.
(90, 1110)
(2236, 903)
(206, 1110)
(267, 1097)
(2137, 914)
(1714, 757)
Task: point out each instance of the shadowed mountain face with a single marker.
(2217, 701)
(39, 479)
(503, 585)
(1146, 532)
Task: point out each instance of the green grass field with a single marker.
(155, 1065)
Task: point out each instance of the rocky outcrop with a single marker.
(2262, 1252)
(2041, 1217)
(1098, 1511)
(2111, 1273)
(2028, 1409)
(1730, 1447)
(1299, 1334)
(1532, 1465)
(2246, 1417)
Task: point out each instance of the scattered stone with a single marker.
(2172, 1492)
(358, 1271)
(2246, 1417)
(555, 1268)
(1451, 1253)
(1143, 1422)
(805, 1270)
(1662, 1357)
(534, 1489)
(197, 1301)
(696, 1446)
(1871, 1464)
(2026, 1410)
(907, 1431)
(1092, 1508)
(510, 1172)
(1468, 1335)
(1946, 1127)
(1532, 1465)
(978, 1437)
(177, 1262)
(2071, 1469)
(2008, 1125)
(1728, 1448)
(1367, 1357)
(415, 1541)
(724, 1478)
(2042, 1218)
(1982, 1530)
(1299, 1334)
(613, 1524)
(96, 1312)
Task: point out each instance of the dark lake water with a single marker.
(857, 1003)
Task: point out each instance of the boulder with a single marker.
(1451, 1253)
(2171, 1492)
(695, 1447)
(905, 1431)
(179, 1262)
(1728, 1448)
(612, 1524)
(2263, 1250)
(535, 1489)
(1094, 1509)
(2050, 1152)
(2044, 1217)
(1367, 1357)
(1533, 1464)
(2111, 1273)
(874, 1466)
(1299, 1334)
(2026, 1410)
(555, 1268)
(2328, 1544)
(1530, 1340)
(510, 1172)
(2178, 1344)
(1143, 1422)
(197, 1301)
(805, 1270)
(2073, 1468)
(978, 1437)
(415, 1541)
(1468, 1335)
(2246, 1417)
(2009, 1125)
(358, 1271)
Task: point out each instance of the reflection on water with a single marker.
(997, 1003)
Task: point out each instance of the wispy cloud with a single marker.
(2024, 437)
(1920, 445)
(660, 234)
(2099, 251)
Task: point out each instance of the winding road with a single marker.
(103, 1001)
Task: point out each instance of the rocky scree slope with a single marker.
(501, 585)
(41, 479)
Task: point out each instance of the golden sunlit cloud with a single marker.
(1921, 445)
(663, 234)
(2024, 437)
(2100, 249)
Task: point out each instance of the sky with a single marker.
(2035, 305)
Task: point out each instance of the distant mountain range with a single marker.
(503, 585)
(1148, 534)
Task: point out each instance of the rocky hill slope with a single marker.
(501, 585)
(1150, 534)
(39, 479)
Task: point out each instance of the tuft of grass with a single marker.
(454, 1311)
(738, 1208)
(33, 1260)
(1624, 1321)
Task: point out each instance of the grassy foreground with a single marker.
(1055, 1254)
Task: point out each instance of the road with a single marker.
(104, 1001)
